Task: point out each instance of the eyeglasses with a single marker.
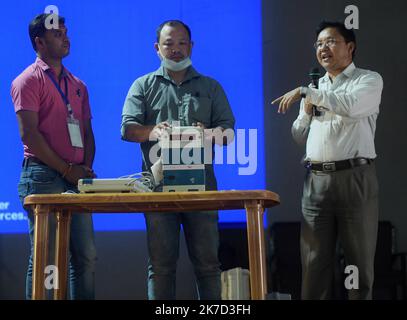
(330, 43)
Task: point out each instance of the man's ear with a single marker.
(352, 47)
(157, 48)
(39, 43)
(190, 48)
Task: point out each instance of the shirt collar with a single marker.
(191, 73)
(46, 68)
(347, 72)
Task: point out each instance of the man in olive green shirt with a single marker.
(177, 92)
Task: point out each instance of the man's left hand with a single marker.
(205, 131)
(199, 124)
(287, 100)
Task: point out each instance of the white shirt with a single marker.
(347, 127)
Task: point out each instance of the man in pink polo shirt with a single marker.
(54, 119)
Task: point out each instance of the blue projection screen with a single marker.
(112, 45)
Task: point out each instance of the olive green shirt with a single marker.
(155, 97)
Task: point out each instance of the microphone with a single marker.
(314, 75)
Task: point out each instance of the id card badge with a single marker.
(75, 133)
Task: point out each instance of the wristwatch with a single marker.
(303, 92)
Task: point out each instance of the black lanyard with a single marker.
(63, 96)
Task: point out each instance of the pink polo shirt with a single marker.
(33, 90)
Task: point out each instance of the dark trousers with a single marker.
(202, 239)
(341, 204)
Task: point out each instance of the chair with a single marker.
(390, 267)
(285, 258)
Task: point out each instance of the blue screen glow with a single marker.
(112, 45)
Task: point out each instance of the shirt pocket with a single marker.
(200, 110)
(155, 114)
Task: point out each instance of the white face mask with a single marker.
(173, 65)
(176, 66)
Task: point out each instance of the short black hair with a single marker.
(37, 27)
(172, 23)
(347, 34)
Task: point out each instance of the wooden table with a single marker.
(63, 205)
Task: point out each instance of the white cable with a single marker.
(141, 181)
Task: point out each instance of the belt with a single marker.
(34, 160)
(337, 165)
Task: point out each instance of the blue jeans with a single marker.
(39, 179)
(202, 239)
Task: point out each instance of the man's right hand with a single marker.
(158, 130)
(140, 133)
(308, 108)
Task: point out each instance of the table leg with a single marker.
(61, 253)
(40, 251)
(257, 259)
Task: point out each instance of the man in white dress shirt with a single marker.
(340, 195)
